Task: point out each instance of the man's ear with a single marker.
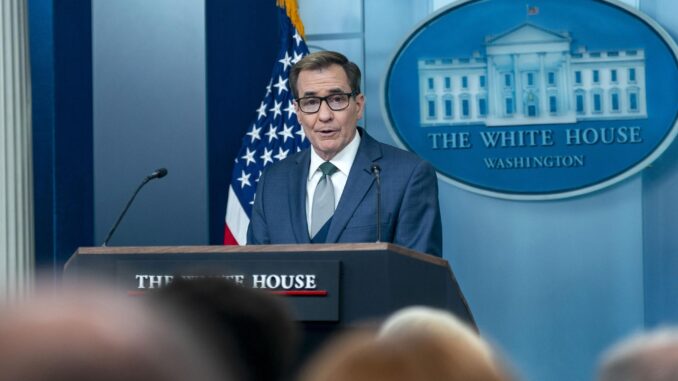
(360, 105)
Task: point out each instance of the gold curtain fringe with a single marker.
(293, 13)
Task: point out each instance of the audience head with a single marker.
(416, 343)
(98, 335)
(649, 356)
(427, 320)
(409, 357)
(252, 327)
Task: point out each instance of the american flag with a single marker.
(274, 134)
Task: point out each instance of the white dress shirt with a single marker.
(343, 161)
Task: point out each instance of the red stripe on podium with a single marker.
(301, 293)
(284, 293)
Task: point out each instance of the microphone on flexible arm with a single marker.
(376, 172)
(157, 174)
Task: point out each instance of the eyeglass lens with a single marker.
(336, 102)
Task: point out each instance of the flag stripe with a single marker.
(236, 221)
(274, 134)
(228, 236)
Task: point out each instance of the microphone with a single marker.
(158, 174)
(376, 172)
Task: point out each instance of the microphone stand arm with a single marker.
(378, 207)
(117, 222)
(376, 172)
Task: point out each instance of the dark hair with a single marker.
(251, 325)
(323, 60)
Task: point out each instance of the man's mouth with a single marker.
(326, 132)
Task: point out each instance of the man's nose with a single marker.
(325, 112)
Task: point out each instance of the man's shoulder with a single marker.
(284, 165)
(390, 151)
(397, 155)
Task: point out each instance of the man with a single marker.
(328, 193)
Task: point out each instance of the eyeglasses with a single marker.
(336, 102)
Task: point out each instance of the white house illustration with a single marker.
(530, 75)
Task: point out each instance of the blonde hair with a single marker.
(427, 320)
(408, 357)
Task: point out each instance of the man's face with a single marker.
(328, 131)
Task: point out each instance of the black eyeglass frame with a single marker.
(350, 95)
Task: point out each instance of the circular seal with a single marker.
(540, 101)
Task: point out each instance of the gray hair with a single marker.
(649, 356)
(323, 60)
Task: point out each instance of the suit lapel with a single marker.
(357, 185)
(297, 187)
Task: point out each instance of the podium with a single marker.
(327, 286)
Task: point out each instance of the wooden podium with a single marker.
(328, 286)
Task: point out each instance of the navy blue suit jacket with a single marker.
(410, 214)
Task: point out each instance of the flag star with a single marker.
(286, 133)
(261, 110)
(281, 154)
(290, 110)
(286, 61)
(276, 127)
(268, 88)
(276, 109)
(281, 85)
(302, 134)
(249, 157)
(244, 179)
(271, 133)
(266, 157)
(254, 133)
(297, 57)
(297, 38)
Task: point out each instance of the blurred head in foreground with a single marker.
(98, 335)
(416, 343)
(649, 356)
(436, 322)
(251, 327)
(409, 357)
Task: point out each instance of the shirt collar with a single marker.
(342, 160)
